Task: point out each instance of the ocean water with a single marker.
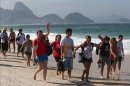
(80, 31)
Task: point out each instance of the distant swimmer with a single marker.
(12, 38)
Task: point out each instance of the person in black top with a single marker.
(104, 55)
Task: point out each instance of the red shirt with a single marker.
(56, 49)
(41, 48)
(114, 49)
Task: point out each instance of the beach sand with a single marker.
(14, 72)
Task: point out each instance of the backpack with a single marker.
(57, 50)
(48, 47)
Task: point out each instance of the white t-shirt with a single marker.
(67, 43)
(4, 37)
(119, 48)
(88, 51)
(22, 38)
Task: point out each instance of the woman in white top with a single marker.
(87, 47)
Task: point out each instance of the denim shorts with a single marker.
(42, 58)
(68, 63)
(106, 60)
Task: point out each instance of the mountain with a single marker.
(123, 20)
(77, 18)
(53, 19)
(21, 14)
(118, 19)
(20, 7)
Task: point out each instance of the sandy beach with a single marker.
(14, 72)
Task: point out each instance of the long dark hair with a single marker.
(57, 36)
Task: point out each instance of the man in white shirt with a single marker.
(20, 39)
(67, 48)
(4, 41)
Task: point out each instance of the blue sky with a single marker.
(90, 8)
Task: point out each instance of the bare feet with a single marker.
(69, 78)
(82, 78)
(34, 77)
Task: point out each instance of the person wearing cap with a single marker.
(20, 39)
(104, 55)
(4, 41)
(39, 52)
(12, 37)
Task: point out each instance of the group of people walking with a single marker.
(109, 50)
(24, 44)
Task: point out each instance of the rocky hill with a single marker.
(77, 18)
(21, 14)
(53, 19)
(123, 20)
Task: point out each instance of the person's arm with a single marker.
(123, 51)
(14, 35)
(9, 36)
(23, 46)
(34, 47)
(53, 44)
(101, 38)
(76, 48)
(112, 52)
(95, 45)
(99, 50)
(62, 52)
(48, 30)
(17, 38)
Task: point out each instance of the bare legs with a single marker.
(86, 70)
(20, 50)
(28, 61)
(102, 69)
(13, 46)
(108, 71)
(42, 65)
(69, 74)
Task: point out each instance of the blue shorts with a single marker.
(106, 60)
(68, 63)
(42, 58)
